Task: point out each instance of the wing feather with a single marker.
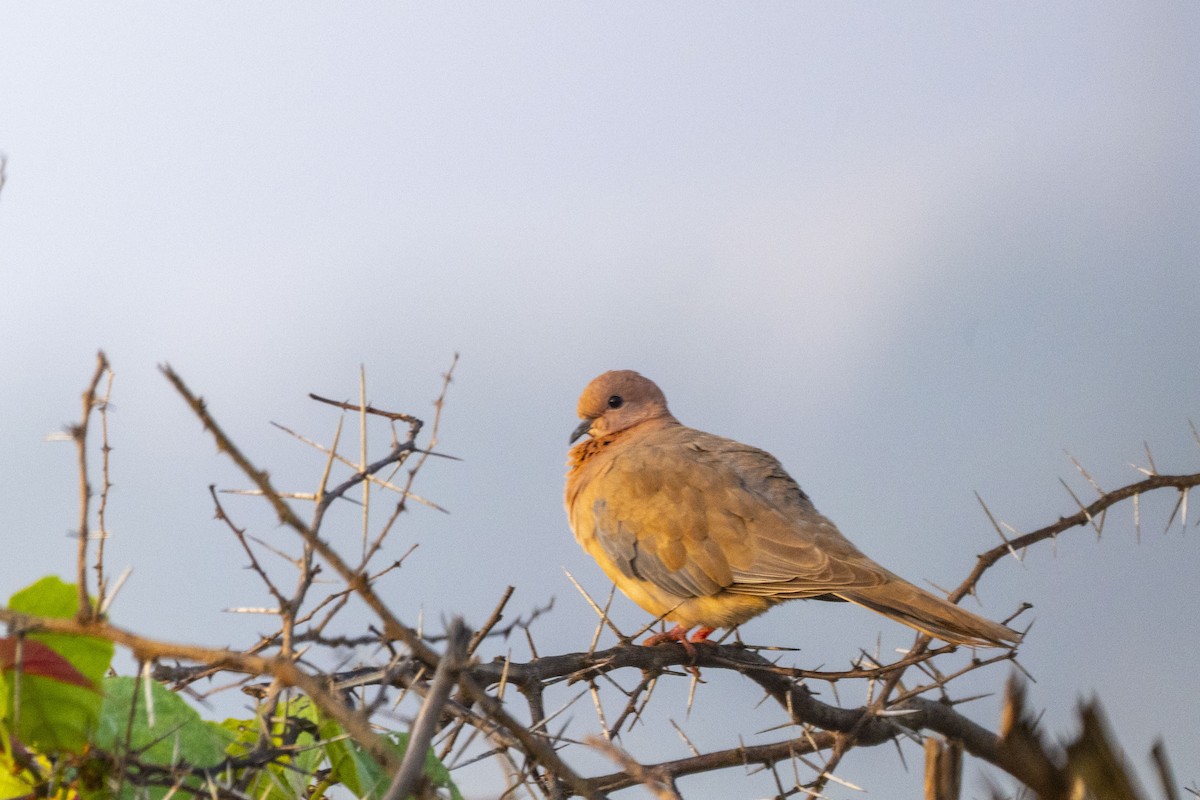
(696, 514)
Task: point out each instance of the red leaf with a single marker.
(38, 659)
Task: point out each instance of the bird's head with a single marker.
(618, 400)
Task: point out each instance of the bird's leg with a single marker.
(680, 634)
(676, 634)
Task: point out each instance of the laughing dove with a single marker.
(705, 531)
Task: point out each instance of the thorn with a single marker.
(1085, 474)
(1149, 457)
(996, 525)
(1137, 516)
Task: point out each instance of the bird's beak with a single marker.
(583, 428)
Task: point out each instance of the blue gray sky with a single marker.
(917, 251)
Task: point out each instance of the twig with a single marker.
(659, 784)
(368, 409)
(497, 615)
(445, 677)
(1081, 517)
(79, 435)
(102, 599)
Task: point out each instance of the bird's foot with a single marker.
(677, 634)
(680, 634)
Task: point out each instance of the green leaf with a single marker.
(49, 713)
(353, 766)
(362, 775)
(289, 776)
(52, 716)
(50, 597)
(177, 736)
(439, 775)
(15, 781)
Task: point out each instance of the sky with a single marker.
(917, 251)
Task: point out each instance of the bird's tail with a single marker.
(917, 608)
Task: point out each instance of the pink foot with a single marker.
(676, 634)
(680, 634)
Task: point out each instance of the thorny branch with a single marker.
(393, 629)
(1085, 516)
(79, 434)
(444, 678)
(467, 703)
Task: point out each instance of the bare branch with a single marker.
(446, 675)
(79, 434)
(1081, 517)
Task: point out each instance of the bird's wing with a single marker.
(696, 514)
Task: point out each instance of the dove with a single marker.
(707, 532)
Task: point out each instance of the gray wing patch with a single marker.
(628, 550)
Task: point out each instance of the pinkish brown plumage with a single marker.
(709, 532)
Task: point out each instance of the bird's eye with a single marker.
(616, 401)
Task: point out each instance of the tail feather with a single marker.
(917, 608)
